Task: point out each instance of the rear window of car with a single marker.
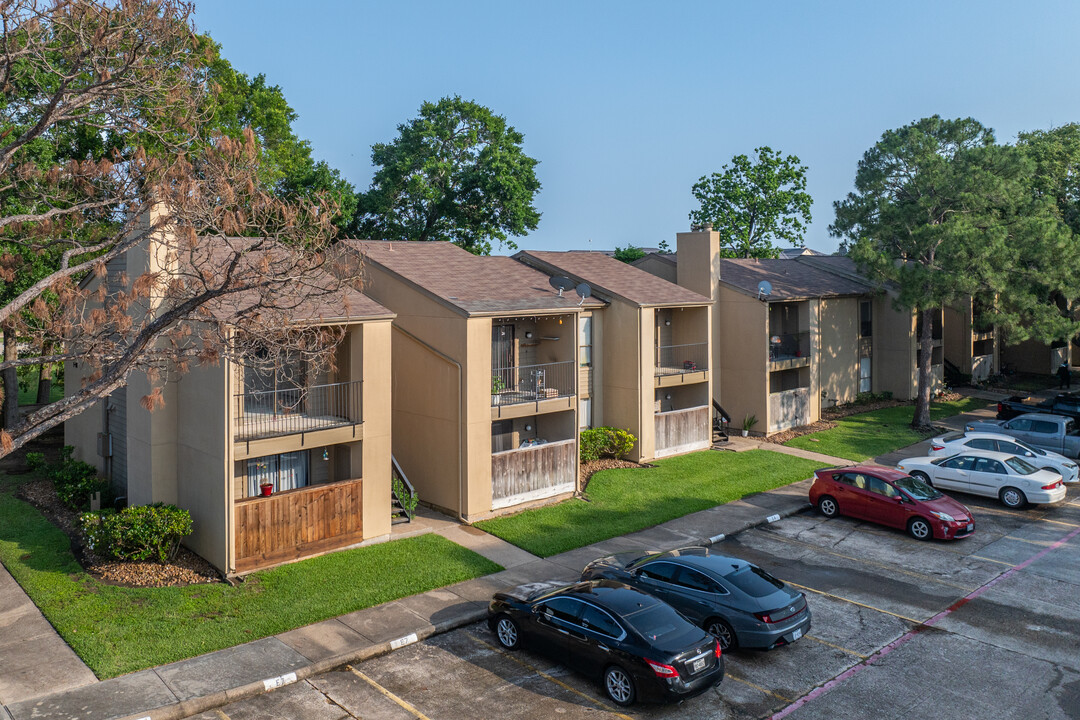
(953, 436)
(754, 581)
(658, 623)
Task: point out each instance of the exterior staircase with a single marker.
(403, 495)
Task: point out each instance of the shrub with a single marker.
(35, 460)
(139, 532)
(594, 443)
(407, 499)
(76, 481)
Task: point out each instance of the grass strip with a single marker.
(625, 500)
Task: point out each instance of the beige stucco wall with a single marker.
(699, 270)
(894, 350)
(372, 362)
(1034, 357)
(625, 352)
(838, 350)
(81, 431)
(743, 366)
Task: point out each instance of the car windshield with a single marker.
(1021, 466)
(657, 622)
(917, 489)
(754, 581)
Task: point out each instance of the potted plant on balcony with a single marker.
(497, 386)
(748, 424)
(265, 489)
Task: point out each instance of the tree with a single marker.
(107, 146)
(629, 253)
(752, 204)
(942, 213)
(457, 172)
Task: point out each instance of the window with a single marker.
(866, 319)
(855, 480)
(754, 581)
(584, 413)
(696, 581)
(989, 465)
(981, 444)
(564, 609)
(1011, 447)
(880, 487)
(662, 571)
(502, 435)
(595, 619)
(1021, 424)
(960, 462)
(1044, 426)
(585, 341)
(287, 471)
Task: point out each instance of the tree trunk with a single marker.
(11, 380)
(922, 398)
(44, 385)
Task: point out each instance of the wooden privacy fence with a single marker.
(533, 472)
(293, 524)
(682, 430)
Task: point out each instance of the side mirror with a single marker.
(900, 499)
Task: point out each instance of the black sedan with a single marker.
(738, 602)
(640, 647)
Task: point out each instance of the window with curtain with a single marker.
(585, 341)
(287, 471)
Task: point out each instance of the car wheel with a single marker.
(507, 632)
(723, 632)
(1012, 497)
(619, 686)
(919, 528)
(828, 507)
(923, 476)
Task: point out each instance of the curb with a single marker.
(194, 706)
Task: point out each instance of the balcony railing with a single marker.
(680, 359)
(532, 383)
(272, 413)
(786, 347)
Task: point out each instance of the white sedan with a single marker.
(960, 442)
(1013, 480)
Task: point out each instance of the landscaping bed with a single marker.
(624, 500)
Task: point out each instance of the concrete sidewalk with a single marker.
(202, 683)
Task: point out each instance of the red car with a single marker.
(892, 498)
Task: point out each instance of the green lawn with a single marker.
(118, 630)
(29, 396)
(867, 435)
(625, 500)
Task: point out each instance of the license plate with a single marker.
(796, 634)
(698, 666)
(971, 526)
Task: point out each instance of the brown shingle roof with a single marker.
(470, 284)
(612, 277)
(790, 279)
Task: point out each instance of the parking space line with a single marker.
(550, 678)
(837, 647)
(921, 627)
(221, 714)
(999, 562)
(854, 602)
(883, 566)
(403, 703)
(778, 696)
(1027, 516)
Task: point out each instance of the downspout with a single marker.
(461, 425)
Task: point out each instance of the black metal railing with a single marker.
(791, 345)
(531, 383)
(680, 359)
(271, 413)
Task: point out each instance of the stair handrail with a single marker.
(404, 481)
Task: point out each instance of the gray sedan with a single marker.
(738, 602)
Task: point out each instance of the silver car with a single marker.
(959, 442)
(1011, 479)
(738, 602)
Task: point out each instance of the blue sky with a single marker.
(626, 104)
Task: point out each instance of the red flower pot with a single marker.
(266, 488)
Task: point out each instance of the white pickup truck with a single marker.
(1049, 432)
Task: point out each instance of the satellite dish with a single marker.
(764, 289)
(583, 290)
(561, 283)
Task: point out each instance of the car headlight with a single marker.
(942, 516)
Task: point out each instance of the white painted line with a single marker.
(772, 518)
(717, 538)
(279, 681)
(403, 641)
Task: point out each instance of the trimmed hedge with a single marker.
(597, 442)
(140, 532)
(76, 481)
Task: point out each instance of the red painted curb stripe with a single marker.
(906, 637)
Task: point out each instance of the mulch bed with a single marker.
(187, 568)
(587, 469)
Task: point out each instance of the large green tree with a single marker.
(457, 172)
(942, 213)
(752, 204)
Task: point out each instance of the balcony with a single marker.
(792, 349)
(532, 473)
(533, 383)
(273, 413)
(681, 359)
(679, 431)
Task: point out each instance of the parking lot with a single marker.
(985, 627)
